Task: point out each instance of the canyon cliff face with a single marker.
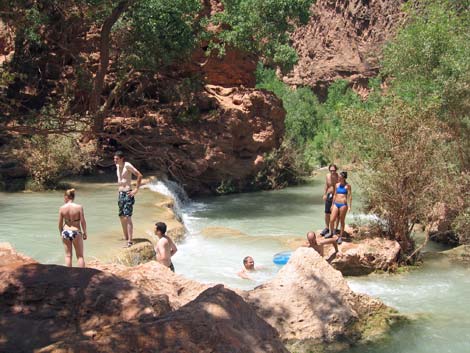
(220, 148)
(202, 122)
(343, 40)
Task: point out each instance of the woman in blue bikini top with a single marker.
(342, 202)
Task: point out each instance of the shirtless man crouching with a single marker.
(319, 246)
(165, 247)
(126, 200)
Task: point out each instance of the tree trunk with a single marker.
(95, 97)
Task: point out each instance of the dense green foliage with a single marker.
(410, 143)
(262, 27)
(161, 32)
(82, 59)
(312, 128)
(429, 65)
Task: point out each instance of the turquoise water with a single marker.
(223, 230)
(437, 295)
(29, 221)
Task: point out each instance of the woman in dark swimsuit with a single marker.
(72, 228)
(342, 202)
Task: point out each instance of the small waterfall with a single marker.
(173, 190)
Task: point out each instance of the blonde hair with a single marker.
(70, 193)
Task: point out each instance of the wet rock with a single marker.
(460, 253)
(139, 253)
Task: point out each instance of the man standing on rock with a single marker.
(126, 195)
(330, 182)
(165, 247)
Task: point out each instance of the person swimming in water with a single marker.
(342, 202)
(248, 266)
(72, 228)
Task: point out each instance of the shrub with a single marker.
(49, 158)
(407, 164)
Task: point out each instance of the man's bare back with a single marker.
(165, 247)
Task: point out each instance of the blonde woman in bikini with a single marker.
(72, 228)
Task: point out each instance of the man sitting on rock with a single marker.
(319, 246)
(165, 247)
(248, 266)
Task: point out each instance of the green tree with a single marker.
(262, 27)
(406, 166)
(428, 64)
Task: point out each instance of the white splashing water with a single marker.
(175, 191)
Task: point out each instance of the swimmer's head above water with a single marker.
(249, 263)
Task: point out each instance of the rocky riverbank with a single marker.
(114, 308)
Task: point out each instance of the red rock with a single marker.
(42, 304)
(310, 304)
(221, 145)
(216, 321)
(9, 256)
(343, 40)
(366, 256)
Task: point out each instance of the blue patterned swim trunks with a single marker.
(126, 204)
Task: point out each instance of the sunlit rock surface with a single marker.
(115, 308)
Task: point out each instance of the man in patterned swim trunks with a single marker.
(126, 199)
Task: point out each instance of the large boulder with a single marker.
(42, 304)
(218, 320)
(361, 254)
(366, 256)
(49, 308)
(311, 304)
(154, 279)
(116, 308)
